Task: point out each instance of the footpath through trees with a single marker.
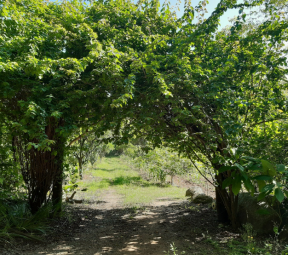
(106, 224)
(217, 97)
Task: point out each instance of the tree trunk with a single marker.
(58, 181)
(80, 165)
(42, 169)
(57, 193)
(226, 203)
(233, 208)
(222, 213)
(38, 170)
(36, 199)
(172, 179)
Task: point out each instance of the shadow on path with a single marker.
(138, 230)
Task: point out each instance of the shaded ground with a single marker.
(102, 225)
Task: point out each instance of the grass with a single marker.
(16, 220)
(115, 173)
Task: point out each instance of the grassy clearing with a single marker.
(115, 173)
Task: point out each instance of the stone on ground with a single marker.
(197, 196)
(202, 199)
(194, 191)
(259, 214)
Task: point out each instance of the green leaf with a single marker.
(280, 168)
(227, 182)
(261, 196)
(241, 168)
(1, 180)
(236, 185)
(279, 194)
(246, 177)
(251, 159)
(268, 168)
(261, 184)
(224, 169)
(262, 178)
(286, 193)
(268, 188)
(256, 167)
(249, 186)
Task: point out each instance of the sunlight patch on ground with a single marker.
(131, 247)
(107, 237)
(60, 250)
(107, 249)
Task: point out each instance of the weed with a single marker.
(248, 233)
(249, 245)
(214, 243)
(192, 208)
(272, 245)
(174, 250)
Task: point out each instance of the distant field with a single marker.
(116, 174)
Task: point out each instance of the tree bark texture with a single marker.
(42, 169)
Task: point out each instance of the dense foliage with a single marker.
(216, 97)
(63, 66)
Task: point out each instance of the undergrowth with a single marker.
(16, 221)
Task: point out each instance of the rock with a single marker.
(197, 196)
(202, 199)
(259, 214)
(194, 191)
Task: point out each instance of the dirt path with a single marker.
(104, 226)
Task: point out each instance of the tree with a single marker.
(207, 94)
(87, 147)
(53, 73)
(162, 162)
(66, 66)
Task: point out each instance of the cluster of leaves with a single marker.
(268, 178)
(162, 162)
(158, 162)
(11, 181)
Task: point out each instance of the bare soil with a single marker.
(105, 226)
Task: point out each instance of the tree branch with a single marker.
(85, 134)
